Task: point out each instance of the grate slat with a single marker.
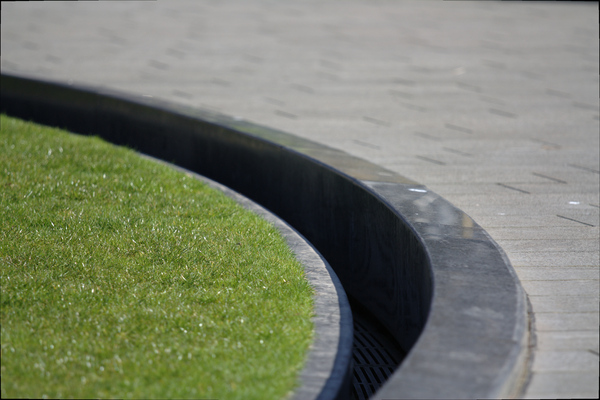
(376, 356)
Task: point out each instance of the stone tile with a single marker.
(564, 304)
(576, 394)
(569, 384)
(566, 321)
(546, 246)
(498, 218)
(554, 259)
(565, 361)
(568, 340)
(584, 288)
(557, 273)
(498, 214)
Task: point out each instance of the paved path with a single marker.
(492, 105)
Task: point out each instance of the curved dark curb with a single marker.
(327, 369)
(424, 269)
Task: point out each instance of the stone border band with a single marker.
(423, 268)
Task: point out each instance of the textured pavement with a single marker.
(494, 106)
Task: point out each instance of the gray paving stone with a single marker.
(551, 232)
(549, 245)
(585, 288)
(558, 273)
(553, 384)
(566, 321)
(571, 340)
(564, 303)
(565, 360)
(503, 218)
(555, 259)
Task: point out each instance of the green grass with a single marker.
(122, 277)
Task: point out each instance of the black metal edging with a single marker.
(424, 269)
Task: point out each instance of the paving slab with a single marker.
(556, 384)
(565, 304)
(492, 105)
(583, 287)
(572, 340)
(557, 273)
(564, 321)
(566, 361)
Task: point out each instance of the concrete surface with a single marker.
(492, 105)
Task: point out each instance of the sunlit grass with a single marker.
(124, 278)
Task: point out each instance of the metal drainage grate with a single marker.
(376, 356)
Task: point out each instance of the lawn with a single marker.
(123, 278)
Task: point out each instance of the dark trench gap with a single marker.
(375, 353)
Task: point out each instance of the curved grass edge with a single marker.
(326, 373)
(66, 352)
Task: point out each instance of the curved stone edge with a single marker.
(327, 367)
(358, 219)
(486, 352)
